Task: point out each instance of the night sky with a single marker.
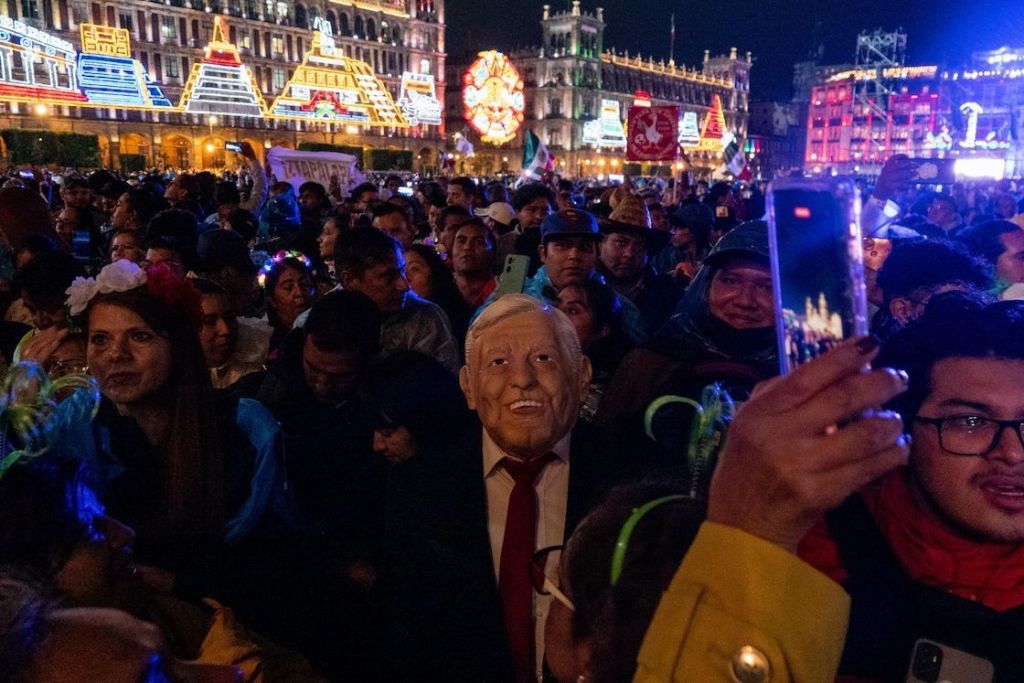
(778, 32)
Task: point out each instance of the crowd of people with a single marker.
(465, 431)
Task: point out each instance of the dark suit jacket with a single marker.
(437, 577)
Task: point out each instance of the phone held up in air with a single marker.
(235, 147)
(935, 171)
(933, 662)
(817, 266)
(513, 275)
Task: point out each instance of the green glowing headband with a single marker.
(619, 556)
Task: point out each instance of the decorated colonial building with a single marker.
(577, 93)
(175, 80)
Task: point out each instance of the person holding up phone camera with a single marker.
(935, 550)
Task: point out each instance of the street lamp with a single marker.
(41, 110)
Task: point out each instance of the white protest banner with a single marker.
(296, 167)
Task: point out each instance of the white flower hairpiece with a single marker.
(119, 276)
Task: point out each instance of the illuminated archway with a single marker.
(212, 153)
(176, 152)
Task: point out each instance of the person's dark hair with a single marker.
(207, 183)
(36, 244)
(345, 321)
(272, 272)
(411, 390)
(40, 524)
(983, 240)
(527, 193)
(605, 304)
(361, 248)
(24, 213)
(717, 191)
(193, 469)
(208, 287)
(929, 264)
(453, 210)
(189, 183)
(25, 608)
(181, 227)
(477, 223)
(76, 181)
(467, 185)
(495, 191)
(226, 193)
(145, 205)
(244, 223)
(314, 187)
(46, 277)
(393, 177)
(445, 291)
(614, 619)
(954, 325)
(164, 242)
(433, 193)
(361, 188)
(382, 209)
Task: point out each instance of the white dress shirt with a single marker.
(552, 488)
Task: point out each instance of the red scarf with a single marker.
(932, 554)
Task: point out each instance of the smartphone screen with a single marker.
(817, 266)
(935, 171)
(233, 146)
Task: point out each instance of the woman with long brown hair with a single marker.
(176, 463)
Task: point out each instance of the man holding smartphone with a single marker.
(935, 550)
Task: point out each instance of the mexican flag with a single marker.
(536, 157)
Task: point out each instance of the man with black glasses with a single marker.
(935, 550)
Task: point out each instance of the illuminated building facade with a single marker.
(174, 80)
(578, 93)
(975, 113)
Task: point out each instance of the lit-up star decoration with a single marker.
(492, 92)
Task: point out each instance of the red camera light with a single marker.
(802, 212)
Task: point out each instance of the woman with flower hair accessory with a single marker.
(287, 282)
(186, 469)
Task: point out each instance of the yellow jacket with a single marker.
(738, 600)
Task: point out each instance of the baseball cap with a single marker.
(499, 212)
(569, 223)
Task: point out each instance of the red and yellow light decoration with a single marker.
(492, 92)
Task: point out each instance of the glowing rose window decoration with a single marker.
(492, 92)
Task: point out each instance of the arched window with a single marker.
(343, 24)
(359, 28)
(333, 21)
(385, 31)
(371, 30)
(396, 35)
(300, 16)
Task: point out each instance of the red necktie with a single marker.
(517, 549)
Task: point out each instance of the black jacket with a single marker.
(437, 575)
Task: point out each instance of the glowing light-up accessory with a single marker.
(622, 544)
(707, 431)
(40, 412)
(492, 92)
(277, 261)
